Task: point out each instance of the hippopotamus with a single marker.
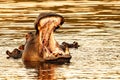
(41, 45)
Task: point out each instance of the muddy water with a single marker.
(95, 25)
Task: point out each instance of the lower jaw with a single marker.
(56, 56)
(52, 49)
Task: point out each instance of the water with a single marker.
(95, 25)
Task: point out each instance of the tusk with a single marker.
(46, 53)
(67, 51)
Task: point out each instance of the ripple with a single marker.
(94, 25)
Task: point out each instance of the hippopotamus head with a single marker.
(43, 45)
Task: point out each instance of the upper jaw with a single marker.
(43, 18)
(55, 20)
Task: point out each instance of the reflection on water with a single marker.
(95, 25)
(44, 71)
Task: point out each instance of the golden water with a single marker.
(95, 25)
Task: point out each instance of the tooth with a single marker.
(40, 37)
(66, 50)
(46, 52)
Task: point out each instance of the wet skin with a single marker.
(42, 45)
(17, 52)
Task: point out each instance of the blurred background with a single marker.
(94, 24)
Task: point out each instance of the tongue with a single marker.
(47, 38)
(52, 42)
(47, 30)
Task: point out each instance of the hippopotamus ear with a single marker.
(45, 15)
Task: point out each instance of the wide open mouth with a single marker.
(45, 27)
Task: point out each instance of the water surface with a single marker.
(95, 25)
